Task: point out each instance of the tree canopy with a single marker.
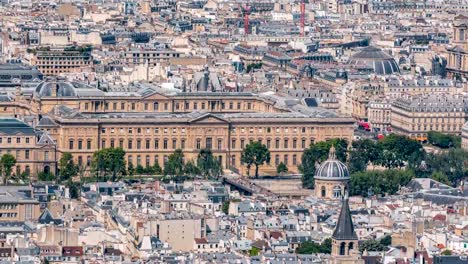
(255, 153)
(376, 245)
(109, 162)
(318, 153)
(7, 161)
(281, 168)
(67, 167)
(310, 247)
(174, 165)
(208, 165)
(442, 140)
(379, 182)
(452, 163)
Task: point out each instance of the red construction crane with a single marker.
(302, 17)
(246, 12)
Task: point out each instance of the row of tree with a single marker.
(442, 140)
(394, 152)
(110, 164)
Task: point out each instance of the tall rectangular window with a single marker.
(130, 144)
(156, 143)
(209, 143)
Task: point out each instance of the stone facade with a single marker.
(151, 124)
(415, 116)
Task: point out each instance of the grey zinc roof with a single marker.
(345, 229)
(67, 89)
(10, 126)
(433, 103)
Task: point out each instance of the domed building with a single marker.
(331, 178)
(65, 89)
(381, 62)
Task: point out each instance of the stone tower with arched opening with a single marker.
(344, 239)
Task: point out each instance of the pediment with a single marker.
(208, 119)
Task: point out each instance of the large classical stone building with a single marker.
(153, 122)
(415, 116)
(458, 54)
(345, 242)
(34, 150)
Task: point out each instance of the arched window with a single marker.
(337, 192)
(342, 248)
(324, 192)
(350, 246)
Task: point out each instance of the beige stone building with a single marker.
(58, 61)
(151, 123)
(379, 114)
(179, 232)
(457, 65)
(415, 116)
(33, 150)
(464, 133)
(15, 206)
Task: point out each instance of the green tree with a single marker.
(43, 176)
(208, 165)
(440, 177)
(281, 168)
(364, 151)
(191, 169)
(130, 169)
(157, 170)
(376, 245)
(310, 247)
(443, 140)
(109, 162)
(254, 252)
(67, 167)
(316, 154)
(225, 207)
(140, 169)
(174, 165)
(255, 153)
(7, 162)
(453, 163)
(379, 182)
(252, 66)
(446, 252)
(74, 188)
(397, 149)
